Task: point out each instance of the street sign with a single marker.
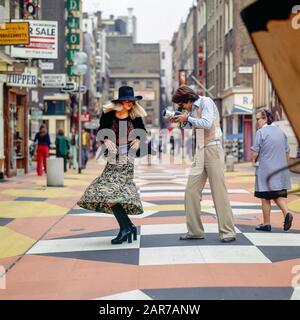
(85, 117)
(46, 65)
(14, 33)
(43, 41)
(71, 53)
(73, 23)
(36, 114)
(28, 79)
(73, 5)
(54, 80)
(83, 89)
(70, 87)
(73, 38)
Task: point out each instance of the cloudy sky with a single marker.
(156, 19)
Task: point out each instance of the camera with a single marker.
(167, 114)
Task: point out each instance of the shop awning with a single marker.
(58, 97)
(238, 110)
(5, 58)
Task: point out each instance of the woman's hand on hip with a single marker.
(134, 144)
(110, 145)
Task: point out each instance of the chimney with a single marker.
(130, 22)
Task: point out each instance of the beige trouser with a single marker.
(212, 168)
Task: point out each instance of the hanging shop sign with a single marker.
(43, 41)
(54, 80)
(28, 79)
(73, 5)
(14, 33)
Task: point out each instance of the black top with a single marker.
(121, 132)
(110, 121)
(42, 140)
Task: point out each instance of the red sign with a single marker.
(86, 117)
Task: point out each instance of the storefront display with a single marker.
(16, 131)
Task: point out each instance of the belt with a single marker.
(213, 143)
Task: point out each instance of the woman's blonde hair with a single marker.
(136, 111)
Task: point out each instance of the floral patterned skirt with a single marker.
(114, 184)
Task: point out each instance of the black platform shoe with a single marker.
(125, 230)
(125, 235)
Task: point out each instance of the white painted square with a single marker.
(233, 254)
(79, 244)
(274, 239)
(177, 228)
(170, 255)
(201, 254)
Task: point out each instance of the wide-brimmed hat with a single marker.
(126, 94)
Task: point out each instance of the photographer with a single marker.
(203, 118)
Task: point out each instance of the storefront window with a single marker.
(55, 107)
(60, 124)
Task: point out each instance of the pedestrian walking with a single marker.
(85, 147)
(73, 148)
(270, 154)
(298, 152)
(203, 118)
(62, 147)
(42, 145)
(114, 191)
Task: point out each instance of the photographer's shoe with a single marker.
(230, 239)
(187, 237)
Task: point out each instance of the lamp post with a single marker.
(79, 69)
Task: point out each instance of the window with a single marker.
(136, 82)
(226, 18)
(226, 71)
(60, 124)
(54, 107)
(149, 84)
(230, 14)
(163, 55)
(111, 83)
(163, 72)
(230, 69)
(123, 83)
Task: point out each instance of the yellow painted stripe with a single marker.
(294, 205)
(13, 243)
(43, 192)
(24, 209)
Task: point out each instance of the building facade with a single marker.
(264, 97)
(214, 55)
(136, 65)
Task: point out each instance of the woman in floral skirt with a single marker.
(114, 192)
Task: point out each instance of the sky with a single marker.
(156, 19)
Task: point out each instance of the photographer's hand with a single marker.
(182, 118)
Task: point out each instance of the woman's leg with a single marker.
(266, 207)
(282, 204)
(288, 217)
(39, 161)
(45, 156)
(65, 163)
(125, 231)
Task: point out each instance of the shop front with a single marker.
(237, 125)
(15, 131)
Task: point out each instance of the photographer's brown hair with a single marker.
(184, 94)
